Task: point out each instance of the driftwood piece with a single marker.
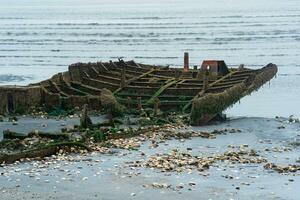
(7, 134)
(40, 152)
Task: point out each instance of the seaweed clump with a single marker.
(17, 146)
(215, 103)
(109, 102)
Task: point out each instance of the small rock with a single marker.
(192, 184)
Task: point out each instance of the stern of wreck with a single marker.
(19, 100)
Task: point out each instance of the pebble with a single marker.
(161, 185)
(192, 184)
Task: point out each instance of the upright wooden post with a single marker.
(204, 88)
(186, 62)
(128, 103)
(241, 67)
(156, 106)
(139, 103)
(177, 75)
(110, 114)
(123, 78)
(205, 80)
(85, 120)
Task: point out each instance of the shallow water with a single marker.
(39, 39)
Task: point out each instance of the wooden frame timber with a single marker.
(174, 88)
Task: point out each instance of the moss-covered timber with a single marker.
(41, 152)
(111, 86)
(7, 134)
(205, 107)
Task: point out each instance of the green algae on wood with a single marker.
(93, 84)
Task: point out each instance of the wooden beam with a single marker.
(161, 89)
(134, 79)
(222, 78)
(103, 66)
(57, 88)
(94, 69)
(136, 64)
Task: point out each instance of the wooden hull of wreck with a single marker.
(137, 85)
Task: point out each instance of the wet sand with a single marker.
(28, 124)
(109, 176)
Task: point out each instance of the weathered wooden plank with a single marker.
(161, 89)
(134, 79)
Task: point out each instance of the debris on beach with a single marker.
(126, 143)
(161, 185)
(290, 119)
(278, 149)
(17, 146)
(159, 134)
(293, 119)
(282, 169)
(183, 161)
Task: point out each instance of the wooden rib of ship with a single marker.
(135, 83)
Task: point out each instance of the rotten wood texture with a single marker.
(40, 152)
(201, 93)
(134, 79)
(160, 90)
(82, 84)
(85, 120)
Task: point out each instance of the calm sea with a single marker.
(40, 38)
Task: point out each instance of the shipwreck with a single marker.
(202, 92)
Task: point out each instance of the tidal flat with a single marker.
(115, 174)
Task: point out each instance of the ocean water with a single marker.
(41, 38)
